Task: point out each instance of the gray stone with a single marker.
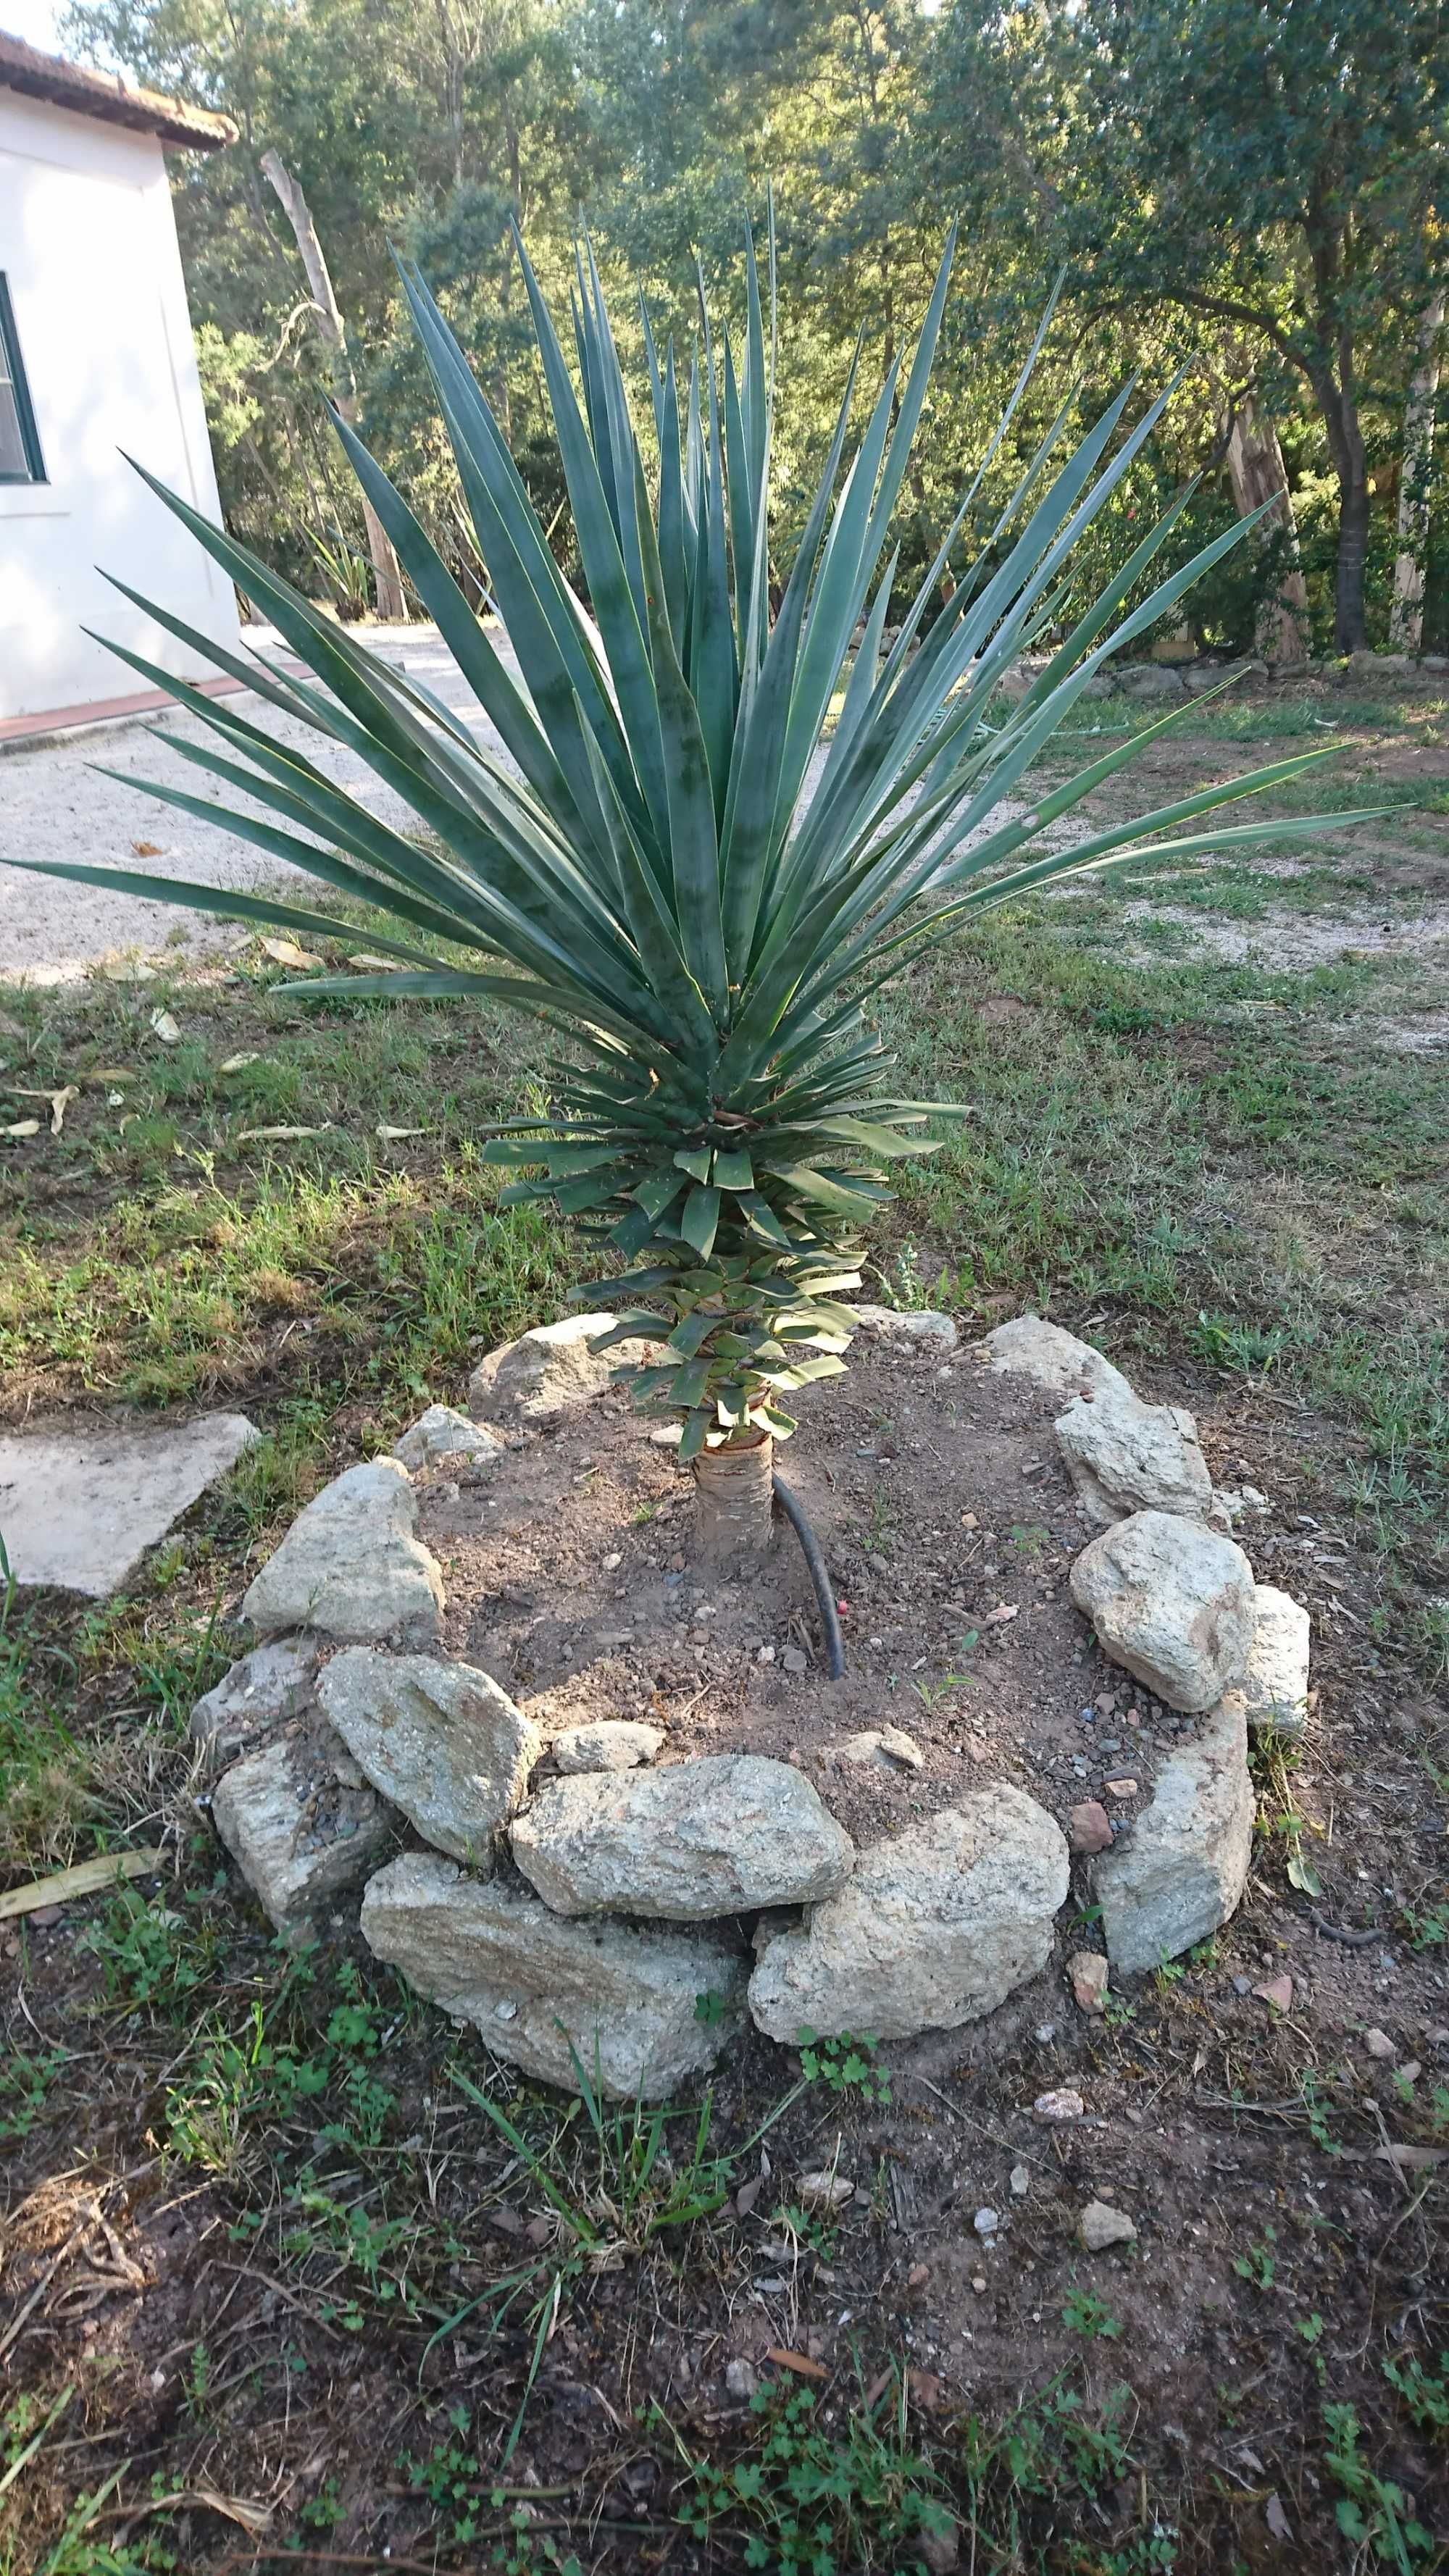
(719, 1835)
(1126, 1456)
(441, 1434)
(935, 1927)
(1181, 1870)
(1380, 666)
(549, 1372)
(1202, 676)
(442, 1741)
(264, 1691)
(1273, 1693)
(1100, 2225)
(1055, 1359)
(496, 1957)
(610, 1744)
(919, 1324)
(300, 1823)
(82, 1501)
(351, 1566)
(1171, 1601)
(1149, 680)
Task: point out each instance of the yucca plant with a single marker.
(722, 825)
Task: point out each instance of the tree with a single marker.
(1406, 617)
(1274, 167)
(391, 600)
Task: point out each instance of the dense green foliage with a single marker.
(1258, 192)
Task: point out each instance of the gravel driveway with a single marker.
(55, 804)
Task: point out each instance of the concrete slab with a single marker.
(81, 1502)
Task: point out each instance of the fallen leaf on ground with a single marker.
(22, 1127)
(1412, 2159)
(167, 1029)
(128, 970)
(798, 2361)
(1276, 2519)
(59, 1101)
(110, 1073)
(285, 952)
(998, 1618)
(391, 1135)
(380, 965)
(279, 1135)
(148, 849)
(234, 1063)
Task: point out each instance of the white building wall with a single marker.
(88, 244)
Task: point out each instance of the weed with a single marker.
(844, 2064)
(1259, 2265)
(1372, 2511)
(806, 2500)
(25, 2082)
(1425, 2393)
(1083, 2313)
(151, 1957)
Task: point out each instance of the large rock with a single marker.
(1172, 1602)
(534, 1985)
(442, 1437)
(1181, 1870)
(1125, 1456)
(351, 1566)
(264, 1691)
(1273, 1693)
(934, 1928)
(442, 1741)
(720, 1835)
(546, 1373)
(300, 1823)
(607, 1744)
(1149, 680)
(1055, 1359)
(81, 1502)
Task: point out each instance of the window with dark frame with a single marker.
(20, 458)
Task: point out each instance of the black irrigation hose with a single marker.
(819, 1576)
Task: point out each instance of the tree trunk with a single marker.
(387, 572)
(1255, 462)
(1406, 617)
(732, 1501)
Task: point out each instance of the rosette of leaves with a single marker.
(723, 802)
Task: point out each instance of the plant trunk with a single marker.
(326, 313)
(1255, 462)
(1406, 617)
(732, 1500)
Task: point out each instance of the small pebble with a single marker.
(1020, 2182)
(1100, 2226)
(1087, 1977)
(1059, 2105)
(986, 2222)
(1379, 2044)
(741, 2378)
(1277, 1991)
(1121, 1788)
